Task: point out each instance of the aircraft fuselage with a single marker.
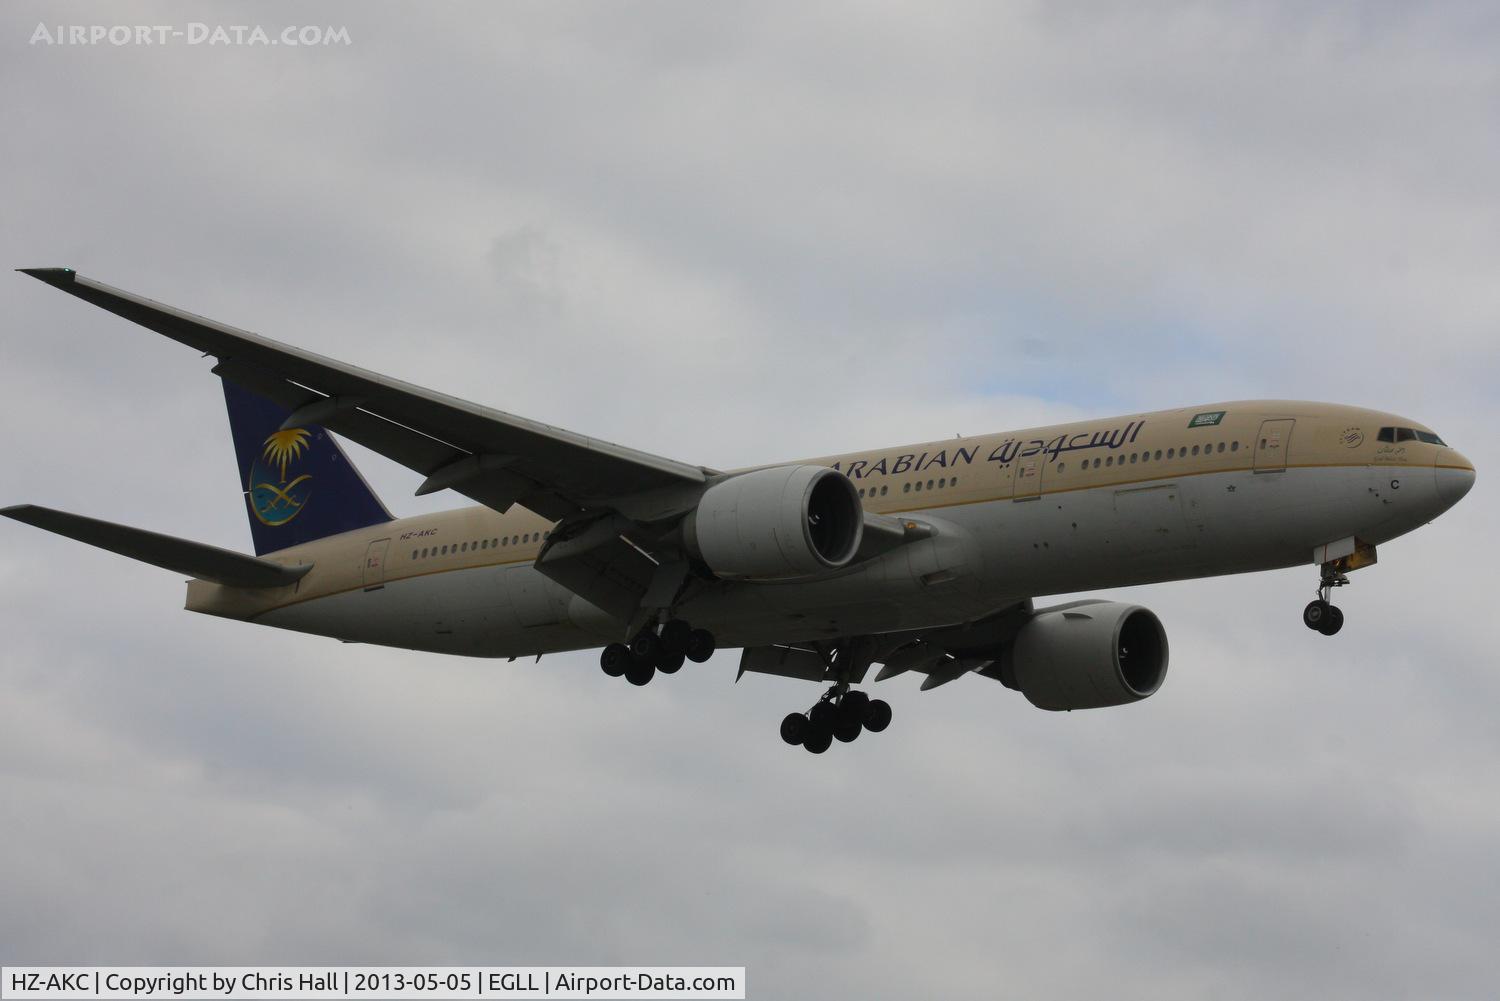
(1178, 494)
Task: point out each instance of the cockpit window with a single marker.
(1408, 434)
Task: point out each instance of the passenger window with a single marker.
(1195, 449)
(1234, 446)
(942, 483)
(919, 486)
(1061, 466)
(444, 551)
(929, 484)
(463, 548)
(1171, 453)
(1221, 446)
(906, 488)
(1109, 460)
(1132, 458)
(884, 490)
(1097, 462)
(1158, 455)
(413, 554)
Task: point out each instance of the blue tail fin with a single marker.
(298, 484)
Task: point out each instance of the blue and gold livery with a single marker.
(274, 498)
(298, 483)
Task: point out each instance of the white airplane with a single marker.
(923, 558)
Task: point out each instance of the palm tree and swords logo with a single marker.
(273, 498)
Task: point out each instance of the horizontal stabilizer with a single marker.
(210, 563)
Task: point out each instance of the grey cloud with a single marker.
(740, 234)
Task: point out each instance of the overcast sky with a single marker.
(733, 234)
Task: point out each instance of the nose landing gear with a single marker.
(651, 651)
(1321, 614)
(839, 715)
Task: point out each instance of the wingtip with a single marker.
(52, 276)
(16, 510)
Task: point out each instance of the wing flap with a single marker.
(210, 563)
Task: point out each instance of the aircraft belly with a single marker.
(480, 612)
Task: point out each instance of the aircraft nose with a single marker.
(1455, 476)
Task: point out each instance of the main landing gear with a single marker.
(653, 651)
(1322, 615)
(839, 714)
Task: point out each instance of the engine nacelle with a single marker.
(782, 523)
(1087, 655)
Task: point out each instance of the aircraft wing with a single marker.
(496, 458)
(944, 654)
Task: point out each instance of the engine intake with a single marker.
(1087, 655)
(781, 523)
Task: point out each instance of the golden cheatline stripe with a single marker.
(300, 599)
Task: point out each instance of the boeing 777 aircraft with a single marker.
(922, 558)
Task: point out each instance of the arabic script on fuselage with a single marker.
(1004, 453)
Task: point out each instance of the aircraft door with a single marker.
(1029, 477)
(374, 570)
(1271, 445)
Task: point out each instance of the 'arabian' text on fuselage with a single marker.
(1007, 451)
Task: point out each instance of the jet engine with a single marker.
(781, 523)
(1087, 655)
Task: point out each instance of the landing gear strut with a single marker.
(1322, 615)
(840, 715)
(651, 651)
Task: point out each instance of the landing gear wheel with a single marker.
(668, 663)
(850, 714)
(1315, 614)
(824, 715)
(700, 645)
(847, 732)
(877, 715)
(1332, 622)
(794, 728)
(675, 636)
(615, 659)
(817, 739)
(640, 672)
(646, 646)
